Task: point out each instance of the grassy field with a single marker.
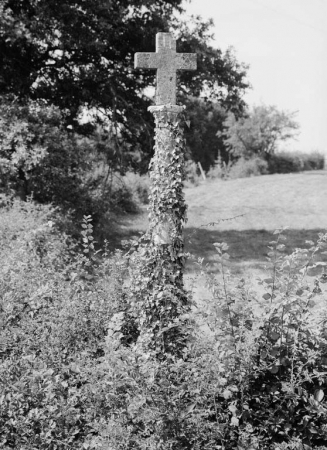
(246, 211)
(256, 207)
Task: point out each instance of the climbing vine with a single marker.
(159, 303)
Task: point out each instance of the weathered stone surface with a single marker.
(167, 62)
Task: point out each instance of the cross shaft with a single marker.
(167, 61)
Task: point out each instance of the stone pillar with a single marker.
(162, 304)
(167, 204)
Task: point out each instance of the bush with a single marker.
(252, 376)
(139, 185)
(219, 171)
(56, 303)
(38, 155)
(244, 168)
(295, 162)
(192, 173)
(313, 161)
(42, 158)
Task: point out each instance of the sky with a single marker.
(284, 42)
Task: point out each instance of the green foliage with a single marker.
(56, 303)
(241, 168)
(192, 173)
(251, 374)
(244, 168)
(283, 162)
(39, 157)
(202, 140)
(259, 132)
(139, 185)
(220, 170)
(79, 56)
(277, 348)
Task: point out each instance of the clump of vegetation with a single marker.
(192, 173)
(139, 186)
(244, 168)
(281, 162)
(56, 303)
(220, 170)
(40, 157)
(252, 375)
(288, 162)
(253, 142)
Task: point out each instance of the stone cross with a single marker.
(167, 62)
(163, 324)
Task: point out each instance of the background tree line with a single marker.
(74, 110)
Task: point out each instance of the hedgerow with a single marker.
(251, 376)
(288, 162)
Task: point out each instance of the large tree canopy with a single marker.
(79, 55)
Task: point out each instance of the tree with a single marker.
(258, 133)
(39, 157)
(203, 141)
(79, 56)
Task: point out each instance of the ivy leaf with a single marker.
(319, 395)
(274, 369)
(189, 409)
(227, 394)
(268, 280)
(274, 352)
(274, 335)
(234, 421)
(232, 407)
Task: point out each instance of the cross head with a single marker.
(167, 61)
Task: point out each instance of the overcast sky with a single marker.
(285, 44)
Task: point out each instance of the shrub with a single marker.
(192, 173)
(295, 162)
(56, 303)
(139, 185)
(313, 161)
(220, 170)
(277, 354)
(40, 157)
(244, 168)
(252, 376)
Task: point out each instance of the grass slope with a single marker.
(246, 211)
